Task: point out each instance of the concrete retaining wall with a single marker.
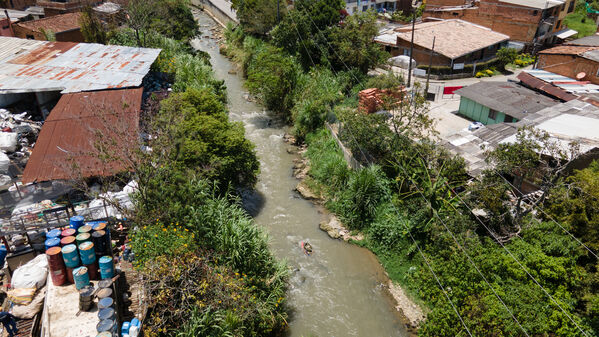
(219, 9)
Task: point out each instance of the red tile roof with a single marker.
(56, 24)
(67, 144)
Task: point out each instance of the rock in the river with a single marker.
(336, 230)
(232, 72)
(305, 191)
(332, 227)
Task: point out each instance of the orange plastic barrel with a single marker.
(58, 271)
(67, 240)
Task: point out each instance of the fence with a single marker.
(347, 154)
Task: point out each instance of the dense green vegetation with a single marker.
(207, 266)
(580, 20)
(414, 202)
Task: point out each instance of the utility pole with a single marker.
(411, 48)
(430, 64)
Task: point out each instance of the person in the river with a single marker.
(307, 247)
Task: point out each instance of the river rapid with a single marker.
(338, 290)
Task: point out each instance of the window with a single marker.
(571, 7)
(597, 73)
(508, 119)
(30, 37)
(535, 12)
(364, 8)
(492, 114)
(558, 25)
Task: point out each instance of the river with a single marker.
(337, 290)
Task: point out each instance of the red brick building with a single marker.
(579, 62)
(525, 21)
(65, 27)
(53, 7)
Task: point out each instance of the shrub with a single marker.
(327, 164)
(272, 76)
(316, 93)
(365, 190)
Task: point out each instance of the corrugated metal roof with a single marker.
(544, 86)
(28, 66)
(72, 129)
(539, 4)
(565, 83)
(507, 97)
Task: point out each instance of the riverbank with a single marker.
(340, 289)
(410, 311)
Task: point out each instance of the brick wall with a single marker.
(68, 36)
(26, 33)
(520, 23)
(17, 4)
(569, 66)
(5, 27)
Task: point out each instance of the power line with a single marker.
(407, 229)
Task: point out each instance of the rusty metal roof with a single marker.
(33, 66)
(67, 146)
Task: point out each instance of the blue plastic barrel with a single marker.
(70, 256)
(55, 233)
(76, 222)
(81, 277)
(3, 253)
(125, 327)
(106, 326)
(106, 302)
(87, 253)
(52, 242)
(135, 322)
(106, 267)
(106, 314)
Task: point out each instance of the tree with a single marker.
(140, 13)
(203, 140)
(174, 19)
(536, 160)
(272, 75)
(258, 17)
(305, 31)
(354, 43)
(506, 56)
(91, 27)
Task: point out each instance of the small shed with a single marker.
(498, 102)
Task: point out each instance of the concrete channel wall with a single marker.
(219, 9)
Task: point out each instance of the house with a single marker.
(573, 121)
(56, 7)
(63, 27)
(531, 23)
(575, 61)
(355, 6)
(559, 87)
(457, 43)
(500, 102)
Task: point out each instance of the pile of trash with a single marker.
(18, 134)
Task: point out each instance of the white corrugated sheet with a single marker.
(29, 66)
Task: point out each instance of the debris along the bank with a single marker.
(87, 286)
(17, 137)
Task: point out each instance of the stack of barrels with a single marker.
(85, 254)
(106, 308)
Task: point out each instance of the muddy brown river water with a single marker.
(337, 291)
